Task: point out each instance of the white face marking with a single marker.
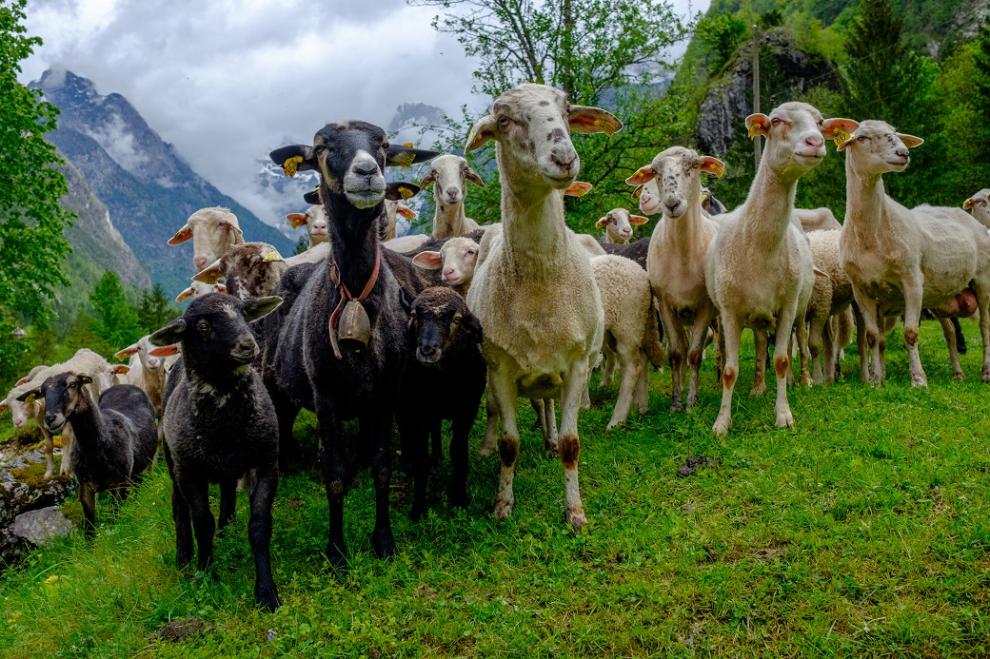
(230, 311)
(364, 184)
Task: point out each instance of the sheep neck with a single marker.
(353, 239)
(686, 233)
(866, 205)
(769, 206)
(450, 217)
(214, 382)
(87, 421)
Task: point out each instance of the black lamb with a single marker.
(115, 438)
(218, 425)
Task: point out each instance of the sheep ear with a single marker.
(126, 352)
(164, 351)
(758, 124)
(405, 300)
(834, 128)
(428, 180)
(312, 197)
(587, 119)
(210, 274)
(260, 307)
(472, 176)
(120, 369)
(82, 378)
(428, 260)
(712, 165)
(29, 394)
(638, 192)
(4, 406)
(969, 203)
(577, 189)
(184, 295)
(296, 220)
(221, 287)
(481, 132)
(602, 221)
(910, 141)
(399, 191)
(644, 174)
(404, 155)
(293, 158)
(181, 236)
(405, 211)
(169, 334)
(638, 219)
(471, 323)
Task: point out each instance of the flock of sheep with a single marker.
(417, 332)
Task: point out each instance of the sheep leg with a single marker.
(334, 481)
(569, 448)
(549, 419)
(759, 376)
(415, 438)
(87, 497)
(180, 516)
(870, 315)
(643, 386)
(731, 330)
(696, 349)
(228, 503)
(782, 365)
(982, 291)
(50, 452)
(825, 365)
(503, 387)
(818, 346)
(949, 332)
(586, 394)
(436, 449)
(289, 452)
(68, 437)
(376, 426)
(460, 429)
(631, 365)
(491, 431)
(804, 352)
(608, 370)
(196, 493)
(913, 292)
(260, 536)
(675, 354)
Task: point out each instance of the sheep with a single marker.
(618, 224)
(758, 269)
(676, 261)
(394, 208)
(23, 411)
(710, 204)
(979, 206)
(198, 289)
(816, 219)
(249, 270)
(449, 175)
(342, 346)
(146, 370)
(539, 346)
(213, 231)
(444, 379)
(456, 260)
(906, 260)
(115, 438)
(315, 219)
(628, 305)
(219, 424)
(831, 298)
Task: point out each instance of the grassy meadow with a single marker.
(866, 531)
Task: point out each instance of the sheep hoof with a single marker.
(614, 424)
(785, 419)
(267, 597)
(959, 377)
(460, 499)
(985, 375)
(503, 509)
(577, 519)
(336, 557)
(721, 427)
(383, 544)
(919, 380)
(485, 450)
(758, 389)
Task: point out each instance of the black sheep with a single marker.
(444, 380)
(115, 438)
(352, 370)
(218, 425)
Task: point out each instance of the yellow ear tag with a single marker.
(704, 197)
(754, 130)
(842, 138)
(408, 145)
(403, 159)
(405, 192)
(271, 255)
(290, 165)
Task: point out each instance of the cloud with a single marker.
(226, 81)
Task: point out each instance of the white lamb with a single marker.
(394, 208)
(198, 289)
(676, 259)
(540, 345)
(316, 222)
(449, 175)
(456, 259)
(758, 269)
(213, 231)
(618, 224)
(146, 371)
(979, 205)
(905, 260)
(816, 219)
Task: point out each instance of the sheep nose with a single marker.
(429, 352)
(50, 419)
(563, 156)
(903, 153)
(200, 262)
(448, 272)
(365, 168)
(815, 141)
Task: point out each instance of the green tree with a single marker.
(302, 245)
(115, 320)
(721, 35)
(155, 309)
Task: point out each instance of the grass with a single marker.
(866, 531)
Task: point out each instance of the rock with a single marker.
(176, 631)
(40, 526)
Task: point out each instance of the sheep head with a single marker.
(874, 148)
(677, 174)
(438, 319)
(213, 231)
(618, 224)
(795, 134)
(63, 394)
(249, 270)
(979, 204)
(449, 175)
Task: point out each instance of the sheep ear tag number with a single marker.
(349, 320)
(842, 138)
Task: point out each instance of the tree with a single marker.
(116, 321)
(600, 52)
(32, 244)
(302, 245)
(155, 309)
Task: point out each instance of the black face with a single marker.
(438, 318)
(214, 332)
(61, 393)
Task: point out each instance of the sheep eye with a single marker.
(863, 138)
(203, 327)
(776, 121)
(503, 122)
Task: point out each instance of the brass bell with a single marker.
(354, 324)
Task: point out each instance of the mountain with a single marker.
(148, 189)
(283, 194)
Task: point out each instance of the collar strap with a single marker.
(346, 296)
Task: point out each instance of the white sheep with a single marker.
(676, 258)
(449, 174)
(198, 289)
(618, 224)
(456, 259)
(394, 208)
(979, 205)
(758, 269)
(316, 222)
(146, 370)
(816, 219)
(213, 230)
(540, 345)
(905, 260)
(831, 305)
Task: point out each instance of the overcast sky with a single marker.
(226, 81)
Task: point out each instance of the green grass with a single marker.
(866, 531)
